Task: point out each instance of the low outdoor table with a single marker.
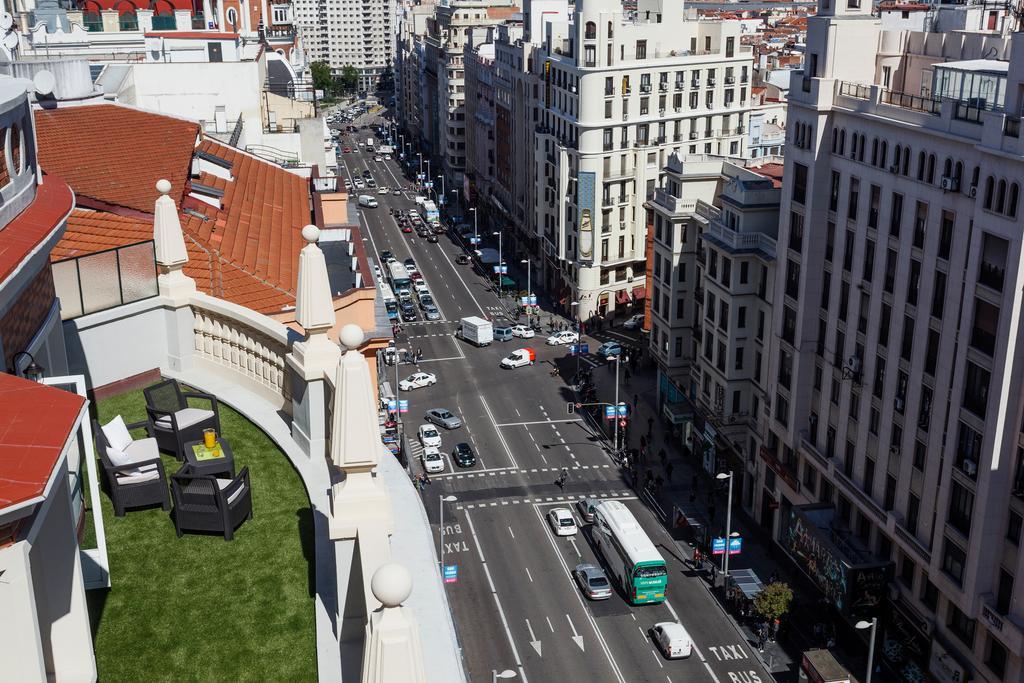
(203, 461)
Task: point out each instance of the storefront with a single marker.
(905, 645)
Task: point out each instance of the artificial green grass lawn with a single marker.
(198, 608)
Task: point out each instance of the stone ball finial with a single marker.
(163, 186)
(351, 336)
(311, 234)
(391, 584)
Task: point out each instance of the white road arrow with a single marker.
(533, 639)
(576, 637)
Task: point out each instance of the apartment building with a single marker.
(411, 99)
(358, 33)
(711, 237)
(454, 25)
(893, 470)
(480, 116)
(618, 91)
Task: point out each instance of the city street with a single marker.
(515, 603)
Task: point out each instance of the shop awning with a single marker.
(677, 413)
(746, 580)
(639, 293)
(621, 296)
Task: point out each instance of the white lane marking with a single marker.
(501, 437)
(576, 637)
(549, 624)
(657, 658)
(533, 639)
(583, 606)
(465, 286)
(497, 601)
(437, 360)
(534, 422)
(510, 532)
(528, 575)
(517, 413)
(573, 542)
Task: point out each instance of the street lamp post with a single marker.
(618, 361)
(507, 673)
(420, 156)
(575, 306)
(440, 505)
(873, 625)
(476, 229)
(442, 195)
(501, 262)
(728, 530)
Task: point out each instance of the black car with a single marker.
(409, 263)
(462, 259)
(463, 455)
(433, 239)
(386, 256)
(408, 309)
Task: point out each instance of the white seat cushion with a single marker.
(137, 451)
(139, 475)
(186, 418)
(116, 433)
(224, 483)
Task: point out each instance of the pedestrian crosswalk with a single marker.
(517, 470)
(624, 494)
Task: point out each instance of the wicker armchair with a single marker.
(172, 421)
(140, 479)
(206, 503)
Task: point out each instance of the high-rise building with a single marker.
(617, 92)
(356, 33)
(892, 467)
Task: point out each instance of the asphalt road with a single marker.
(515, 604)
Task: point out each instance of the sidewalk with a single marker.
(797, 631)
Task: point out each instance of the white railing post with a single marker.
(174, 286)
(393, 651)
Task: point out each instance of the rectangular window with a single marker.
(739, 358)
(741, 317)
(854, 199)
(848, 251)
(907, 343)
(896, 215)
(833, 194)
(995, 657)
(946, 234)
(793, 279)
(799, 183)
(913, 282)
(1013, 528)
(954, 560)
(959, 623)
(830, 239)
(875, 198)
(744, 272)
(961, 505)
(1004, 592)
(913, 512)
(920, 223)
(869, 260)
(976, 389)
(939, 295)
(796, 231)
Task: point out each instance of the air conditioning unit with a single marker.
(661, 112)
(729, 80)
(895, 168)
(572, 88)
(711, 82)
(694, 135)
(970, 468)
(852, 365)
(973, 191)
(949, 183)
(894, 450)
(663, 86)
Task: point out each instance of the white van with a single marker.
(367, 201)
(672, 639)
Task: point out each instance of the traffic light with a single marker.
(570, 408)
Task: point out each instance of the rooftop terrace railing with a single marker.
(105, 279)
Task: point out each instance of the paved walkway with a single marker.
(686, 484)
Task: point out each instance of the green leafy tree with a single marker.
(349, 78)
(322, 79)
(773, 601)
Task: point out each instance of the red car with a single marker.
(406, 228)
(346, 150)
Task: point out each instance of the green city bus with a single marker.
(629, 554)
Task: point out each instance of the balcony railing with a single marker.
(740, 241)
(1011, 127)
(927, 105)
(105, 279)
(861, 92)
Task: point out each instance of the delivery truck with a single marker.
(476, 331)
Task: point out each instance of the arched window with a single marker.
(958, 173)
(128, 20)
(988, 192)
(842, 141)
(883, 154)
(835, 140)
(947, 167)
(591, 31)
(610, 33)
(975, 177)
(1011, 202)
(920, 165)
(897, 156)
(874, 152)
(232, 17)
(860, 150)
(853, 147)
(91, 17)
(905, 170)
(931, 168)
(16, 140)
(163, 16)
(1001, 196)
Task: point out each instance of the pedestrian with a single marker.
(668, 471)
(650, 426)
(627, 375)
(636, 399)
(696, 557)
(760, 637)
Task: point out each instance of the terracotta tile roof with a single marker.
(35, 223)
(772, 171)
(115, 154)
(245, 252)
(35, 422)
(197, 35)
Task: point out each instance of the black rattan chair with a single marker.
(133, 485)
(205, 503)
(172, 421)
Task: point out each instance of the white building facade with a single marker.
(617, 94)
(357, 33)
(893, 445)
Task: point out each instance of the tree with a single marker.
(773, 601)
(322, 79)
(349, 78)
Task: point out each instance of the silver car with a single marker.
(586, 508)
(442, 417)
(431, 312)
(592, 581)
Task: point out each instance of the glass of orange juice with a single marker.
(209, 438)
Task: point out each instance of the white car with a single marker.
(562, 522)
(383, 190)
(360, 184)
(433, 461)
(377, 271)
(563, 337)
(377, 159)
(672, 639)
(523, 332)
(518, 358)
(417, 380)
(421, 287)
(429, 436)
(634, 322)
